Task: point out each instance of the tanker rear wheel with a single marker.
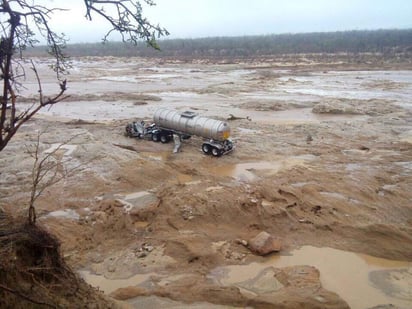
(207, 149)
(164, 138)
(216, 152)
(155, 137)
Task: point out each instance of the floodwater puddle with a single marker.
(250, 171)
(248, 131)
(334, 195)
(245, 171)
(66, 148)
(109, 285)
(156, 156)
(286, 117)
(136, 195)
(137, 200)
(70, 214)
(294, 115)
(361, 280)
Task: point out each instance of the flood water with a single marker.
(250, 171)
(110, 285)
(218, 92)
(363, 281)
(345, 273)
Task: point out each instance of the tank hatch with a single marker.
(188, 114)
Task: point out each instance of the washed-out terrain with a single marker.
(323, 162)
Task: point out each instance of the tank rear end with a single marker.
(191, 124)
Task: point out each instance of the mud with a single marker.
(323, 160)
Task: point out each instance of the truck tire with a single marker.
(155, 137)
(216, 152)
(164, 138)
(206, 148)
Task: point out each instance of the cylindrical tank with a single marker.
(192, 124)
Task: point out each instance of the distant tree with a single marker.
(23, 21)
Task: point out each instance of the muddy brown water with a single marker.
(102, 111)
(345, 273)
(248, 171)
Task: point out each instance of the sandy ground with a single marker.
(323, 162)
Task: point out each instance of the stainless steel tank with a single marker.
(192, 124)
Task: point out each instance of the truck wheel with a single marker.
(164, 138)
(155, 137)
(206, 148)
(216, 152)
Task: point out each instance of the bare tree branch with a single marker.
(15, 36)
(128, 20)
(20, 17)
(48, 169)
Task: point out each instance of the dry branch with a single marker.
(48, 170)
(4, 288)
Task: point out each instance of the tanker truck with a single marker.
(170, 124)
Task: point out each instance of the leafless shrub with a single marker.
(49, 168)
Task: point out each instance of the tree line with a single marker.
(373, 41)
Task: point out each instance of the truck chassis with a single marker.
(165, 135)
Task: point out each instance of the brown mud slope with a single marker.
(33, 273)
(323, 161)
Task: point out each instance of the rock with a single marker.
(141, 254)
(242, 242)
(140, 205)
(268, 280)
(128, 292)
(237, 256)
(146, 247)
(264, 243)
(187, 212)
(140, 201)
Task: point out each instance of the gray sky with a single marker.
(203, 18)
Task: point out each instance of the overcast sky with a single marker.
(204, 18)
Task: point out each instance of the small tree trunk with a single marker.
(32, 215)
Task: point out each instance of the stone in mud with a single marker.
(139, 201)
(264, 243)
(141, 205)
(242, 242)
(266, 281)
